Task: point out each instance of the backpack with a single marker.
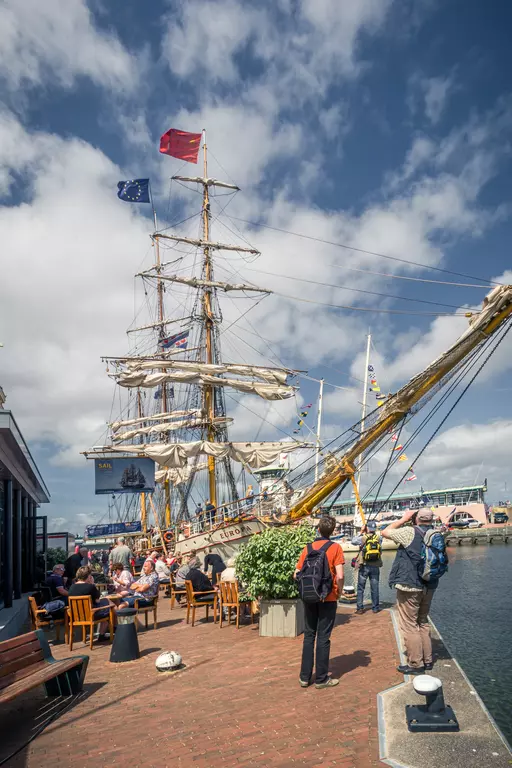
(434, 557)
(315, 578)
(372, 549)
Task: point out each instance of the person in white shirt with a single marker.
(163, 572)
(121, 576)
(228, 574)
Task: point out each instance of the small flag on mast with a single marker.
(179, 340)
(180, 144)
(133, 191)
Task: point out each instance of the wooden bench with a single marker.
(26, 662)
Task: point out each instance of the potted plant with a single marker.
(265, 566)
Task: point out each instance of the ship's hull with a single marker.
(225, 541)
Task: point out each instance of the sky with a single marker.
(384, 125)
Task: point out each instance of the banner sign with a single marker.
(112, 529)
(124, 475)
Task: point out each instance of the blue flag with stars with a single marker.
(133, 191)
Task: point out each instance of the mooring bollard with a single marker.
(435, 715)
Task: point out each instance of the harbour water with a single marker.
(473, 612)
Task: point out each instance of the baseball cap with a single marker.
(371, 525)
(425, 516)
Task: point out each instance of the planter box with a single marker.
(281, 618)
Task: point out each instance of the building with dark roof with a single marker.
(22, 491)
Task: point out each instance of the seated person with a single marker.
(162, 571)
(83, 586)
(55, 582)
(228, 574)
(122, 577)
(144, 590)
(200, 582)
(182, 573)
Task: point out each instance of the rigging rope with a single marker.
(363, 250)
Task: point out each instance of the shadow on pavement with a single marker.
(28, 716)
(341, 665)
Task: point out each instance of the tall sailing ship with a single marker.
(176, 381)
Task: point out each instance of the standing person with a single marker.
(320, 616)
(104, 560)
(250, 496)
(368, 564)
(120, 554)
(210, 513)
(413, 594)
(216, 562)
(73, 563)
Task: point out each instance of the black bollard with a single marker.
(126, 644)
(435, 715)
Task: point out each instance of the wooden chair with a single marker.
(82, 614)
(193, 602)
(147, 609)
(229, 598)
(176, 591)
(39, 619)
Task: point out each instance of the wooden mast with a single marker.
(161, 318)
(209, 399)
(143, 513)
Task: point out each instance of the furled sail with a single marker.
(272, 375)
(196, 282)
(176, 455)
(267, 391)
(172, 426)
(207, 244)
(181, 475)
(115, 425)
(207, 182)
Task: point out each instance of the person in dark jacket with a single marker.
(200, 582)
(216, 563)
(73, 563)
(412, 594)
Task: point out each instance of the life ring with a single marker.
(168, 537)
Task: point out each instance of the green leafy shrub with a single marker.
(266, 564)
(55, 555)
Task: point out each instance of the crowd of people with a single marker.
(83, 570)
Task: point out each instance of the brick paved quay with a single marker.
(238, 702)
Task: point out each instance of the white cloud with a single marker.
(78, 245)
(298, 51)
(41, 41)
(436, 92)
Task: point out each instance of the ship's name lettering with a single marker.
(235, 532)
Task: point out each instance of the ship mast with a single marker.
(209, 397)
(161, 318)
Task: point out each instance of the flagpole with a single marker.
(363, 414)
(160, 294)
(318, 427)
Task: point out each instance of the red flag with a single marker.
(180, 144)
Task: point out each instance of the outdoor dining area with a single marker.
(225, 602)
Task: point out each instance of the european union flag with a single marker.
(133, 191)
